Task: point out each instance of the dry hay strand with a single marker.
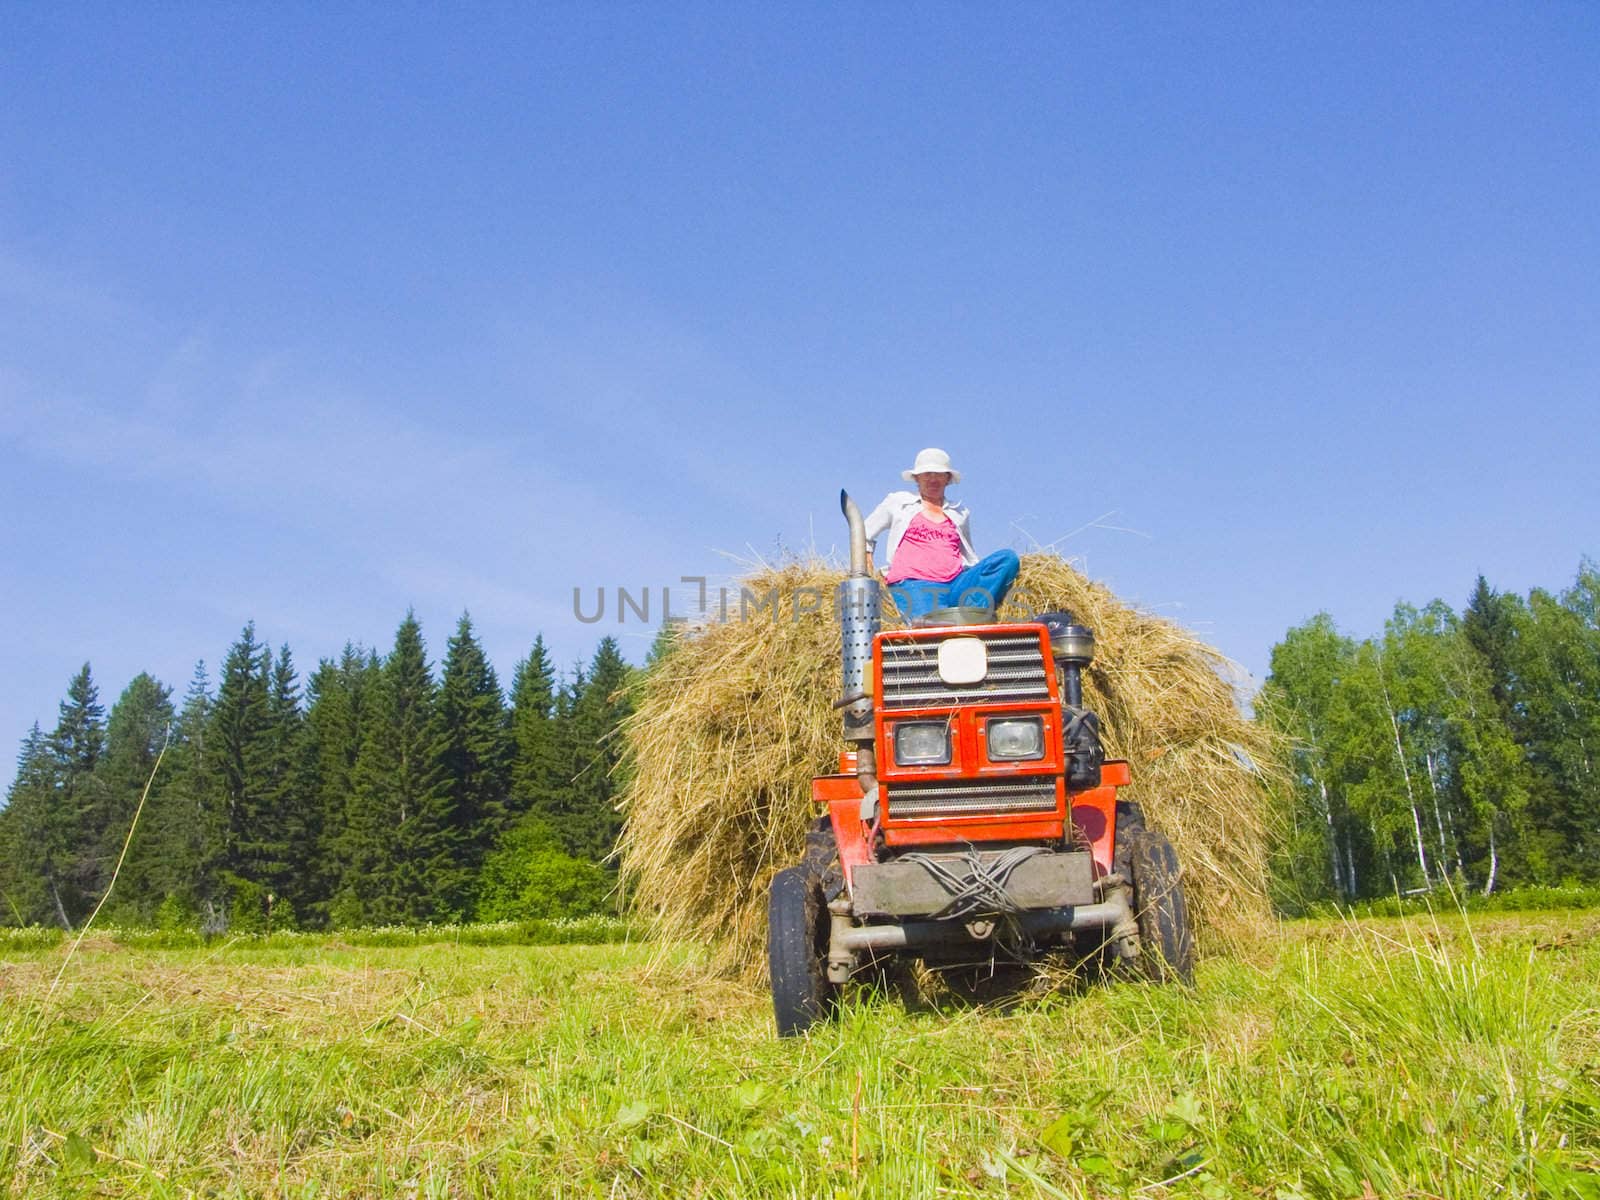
(733, 722)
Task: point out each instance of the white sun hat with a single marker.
(932, 461)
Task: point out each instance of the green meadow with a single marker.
(1399, 1057)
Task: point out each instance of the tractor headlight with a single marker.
(1016, 738)
(921, 743)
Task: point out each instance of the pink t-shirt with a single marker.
(927, 551)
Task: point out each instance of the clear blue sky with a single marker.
(313, 313)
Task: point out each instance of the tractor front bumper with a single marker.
(913, 905)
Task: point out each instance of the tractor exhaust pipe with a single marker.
(860, 615)
(858, 534)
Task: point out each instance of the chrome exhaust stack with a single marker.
(860, 616)
(858, 534)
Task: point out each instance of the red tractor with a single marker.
(976, 818)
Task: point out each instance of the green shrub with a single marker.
(176, 914)
(346, 911)
(529, 877)
(253, 909)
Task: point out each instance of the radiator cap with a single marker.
(963, 660)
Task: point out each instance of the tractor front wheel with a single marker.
(797, 951)
(1167, 945)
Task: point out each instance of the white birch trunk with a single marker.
(1333, 836)
(61, 912)
(1494, 857)
(1405, 774)
(1438, 816)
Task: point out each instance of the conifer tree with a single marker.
(254, 850)
(475, 746)
(188, 847)
(79, 809)
(288, 820)
(25, 878)
(597, 714)
(338, 697)
(80, 735)
(554, 796)
(11, 891)
(79, 744)
(535, 771)
(400, 840)
(1489, 625)
(667, 639)
(135, 735)
(10, 910)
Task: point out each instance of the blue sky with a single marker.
(314, 314)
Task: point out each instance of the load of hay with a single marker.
(733, 722)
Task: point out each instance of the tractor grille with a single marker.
(972, 798)
(911, 672)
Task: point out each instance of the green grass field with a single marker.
(1374, 1059)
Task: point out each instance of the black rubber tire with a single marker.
(797, 940)
(1166, 941)
(1130, 822)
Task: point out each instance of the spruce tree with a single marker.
(338, 697)
(254, 850)
(135, 736)
(80, 735)
(31, 897)
(79, 813)
(12, 899)
(288, 821)
(191, 838)
(535, 770)
(554, 795)
(54, 804)
(475, 746)
(1489, 625)
(595, 730)
(400, 840)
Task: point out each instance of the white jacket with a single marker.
(895, 514)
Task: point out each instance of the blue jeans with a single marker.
(985, 583)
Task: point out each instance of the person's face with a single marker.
(931, 485)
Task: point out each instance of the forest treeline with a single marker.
(372, 793)
(1455, 748)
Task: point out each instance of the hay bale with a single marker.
(732, 724)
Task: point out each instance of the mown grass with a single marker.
(1528, 898)
(1380, 1058)
(564, 931)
